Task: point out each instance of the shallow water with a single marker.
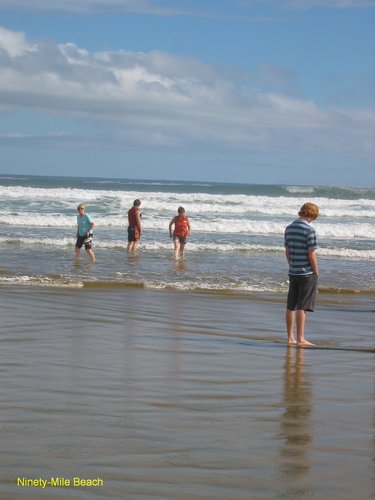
(236, 245)
(179, 395)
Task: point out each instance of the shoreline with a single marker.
(51, 282)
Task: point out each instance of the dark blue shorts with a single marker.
(84, 240)
(181, 239)
(133, 234)
(302, 292)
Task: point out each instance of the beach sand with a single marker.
(180, 395)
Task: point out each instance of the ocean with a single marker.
(236, 243)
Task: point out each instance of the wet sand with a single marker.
(167, 395)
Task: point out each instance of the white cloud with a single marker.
(160, 100)
(14, 44)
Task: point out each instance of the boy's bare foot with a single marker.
(304, 343)
(292, 341)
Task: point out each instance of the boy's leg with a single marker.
(182, 249)
(290, 314)
(91, 254)
(289, 319)
(176, 247)
(78, 246)
(300, 320)
(131, 239)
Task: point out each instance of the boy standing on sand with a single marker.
(135, 226)
(84, 233)
(182, 229)
(300, 251)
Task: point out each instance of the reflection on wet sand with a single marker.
(295, 428)
(179, 396)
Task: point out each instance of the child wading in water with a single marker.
(135, 226)
(85, 227)
(182, 230)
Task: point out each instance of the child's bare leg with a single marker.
(135, 245)
(91, 254)
(289, 319)
(77, 253)
(182, 249)
(300, 320)
(176, 248)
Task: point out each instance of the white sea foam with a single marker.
(55, 242)
(234, 286)
(166, 246)
(300, 189)
(40, 281)
(348, 253)
(349, 231)
(209, 285)
(37, 220)
(197, 204)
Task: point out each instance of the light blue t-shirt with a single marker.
(84, 224)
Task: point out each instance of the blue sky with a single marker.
(254, 91)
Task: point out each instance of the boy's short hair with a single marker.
(309, 210)
(181, 210)
(81, 205)
(136, 202)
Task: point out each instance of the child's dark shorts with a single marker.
(84, 240)
(181, 239)
(133, 234)
(302, 292)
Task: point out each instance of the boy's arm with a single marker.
(138, 219)
(91, 226)
(170, 227)
(189, 227)
(313, 258)
(287, 254)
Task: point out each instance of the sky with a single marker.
(245, 91)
